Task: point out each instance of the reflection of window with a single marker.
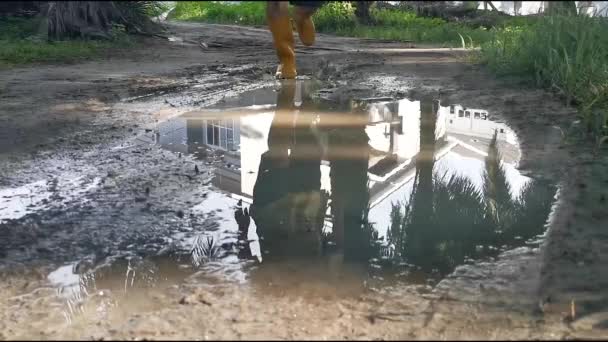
(477, 115)
(460, 113)
(220, 133)
(452, 109)
(467, 114)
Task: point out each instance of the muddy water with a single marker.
(413, 182)
(317, 196)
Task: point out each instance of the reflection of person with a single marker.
(277, 13)
(287, 192)
(348, 154)
(242, 219)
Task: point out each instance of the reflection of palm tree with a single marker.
(496, 189)
(447, 218)
(422, 195)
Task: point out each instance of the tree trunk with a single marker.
(516, 7)
(362, 11)
(561, 7)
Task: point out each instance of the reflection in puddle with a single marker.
(37, 196)
(411, 181)
(311, 190)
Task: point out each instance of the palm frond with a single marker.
(204, 250)
(496, 188)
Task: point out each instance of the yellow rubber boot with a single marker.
(282, 35)
(305, 27)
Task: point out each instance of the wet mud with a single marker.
(387, 193)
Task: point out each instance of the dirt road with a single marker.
(75, 143)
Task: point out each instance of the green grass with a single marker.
(568, 54)
(21, 44)
(339, 18)
(24, 52)
(243, 13)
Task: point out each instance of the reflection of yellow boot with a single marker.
(305, 27)
(282, 35)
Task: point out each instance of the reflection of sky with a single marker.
(14, 202)
(251, 148)
(66, 280)
(380, 214)
(20, 201)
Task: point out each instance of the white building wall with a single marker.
(407, 144)
(475, 126)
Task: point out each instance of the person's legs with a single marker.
(277, 14)
(303, 18)
(305, 25)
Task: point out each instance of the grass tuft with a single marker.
(23, 44)
(567, 54)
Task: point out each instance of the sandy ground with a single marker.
(81, 125)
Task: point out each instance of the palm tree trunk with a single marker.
(362, 11)
(422, 196)
(561, 7)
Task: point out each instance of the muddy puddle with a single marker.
(322, 196)
(403, 182)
